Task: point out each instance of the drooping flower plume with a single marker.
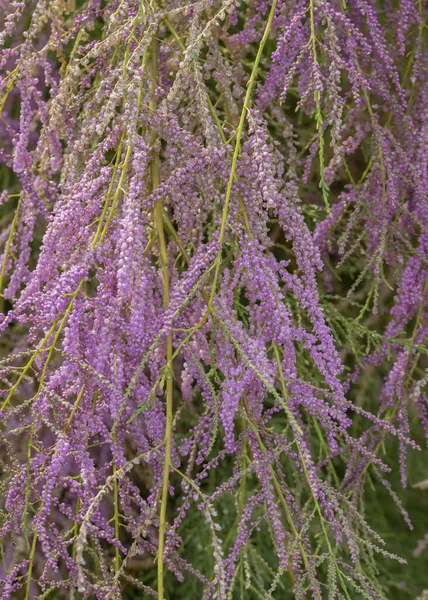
(214, 232)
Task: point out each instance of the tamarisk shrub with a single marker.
(214, 291)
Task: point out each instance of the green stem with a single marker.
(158, 223)
(30, 566)
(116, 521)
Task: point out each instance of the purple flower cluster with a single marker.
(214, 230)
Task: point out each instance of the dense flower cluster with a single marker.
(215, 229)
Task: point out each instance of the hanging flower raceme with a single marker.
(214, 233)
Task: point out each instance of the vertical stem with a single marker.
(169, 412)
(116, 520)
(76, 524)
(158, 223)
(30, 566)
